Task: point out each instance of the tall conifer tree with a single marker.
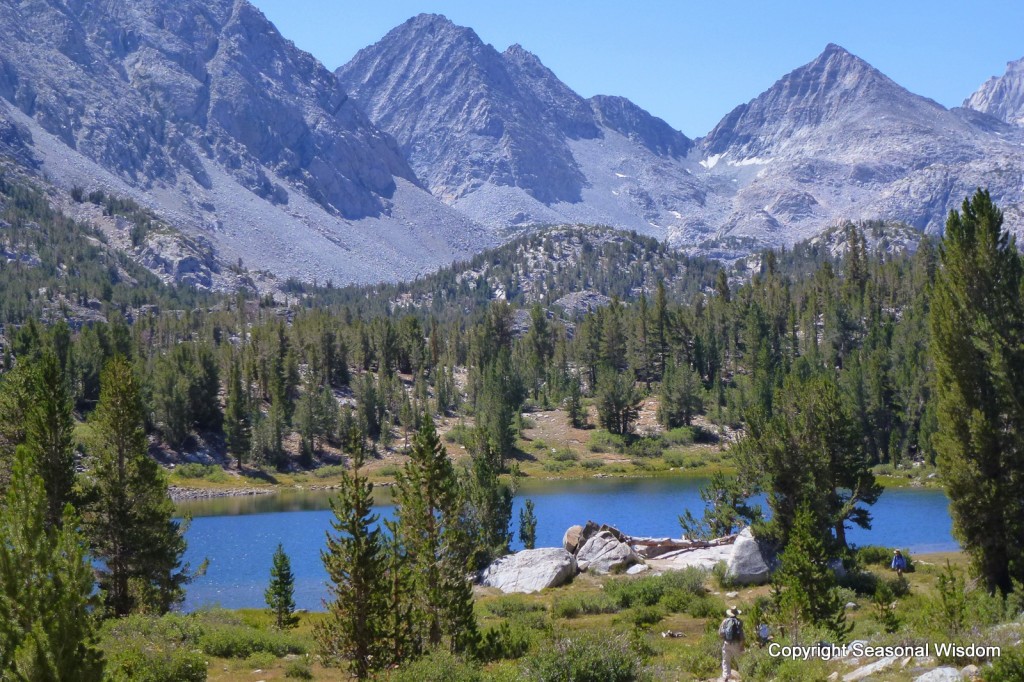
(280, 593)
(977, 325)
(49, 428)
(130, 522)
(47, 615)
(355, 629)
(430, 527)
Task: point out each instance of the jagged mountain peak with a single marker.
(1002, 96)
(466, 115)
(835, 87)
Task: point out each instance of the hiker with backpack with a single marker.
(899, 563)
(731, 632)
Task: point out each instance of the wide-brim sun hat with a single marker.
(733, 612)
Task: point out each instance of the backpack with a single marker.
(732, 630)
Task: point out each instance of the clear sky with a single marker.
(690, 62)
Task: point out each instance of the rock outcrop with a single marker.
(571, 539)
(605, 553)
(1002, 96)
(750, 563)
(530, 570)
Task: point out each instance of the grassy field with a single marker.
(622, 611)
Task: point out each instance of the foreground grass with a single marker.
(621, 618)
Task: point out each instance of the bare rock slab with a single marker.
(604, 553)
(530, 570)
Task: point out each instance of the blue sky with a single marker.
(691, 62)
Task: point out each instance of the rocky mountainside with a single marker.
(430, 145)
(836, 139)
(203, 112)
(1002, 96)
(498, 136)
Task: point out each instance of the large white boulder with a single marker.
(604, 553)
(530, 570)
(747, 564)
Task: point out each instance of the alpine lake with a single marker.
(238, 535)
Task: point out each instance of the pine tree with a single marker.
(15, 391)
(617, 400)
(355, 628)
(489, 503)
(726, 509)
(977, 325)
(805, 591)
(280, 593)
(498, 403)
(527, 525)
(429, 509)
(810, 452)
(130, 522)
(48, 628)
(574, 407)
(49, 428)
(237, 426)
(680, 396)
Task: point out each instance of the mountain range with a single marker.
(431, 145)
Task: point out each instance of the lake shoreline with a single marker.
(196, 490)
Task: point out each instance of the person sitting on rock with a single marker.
(731, 632)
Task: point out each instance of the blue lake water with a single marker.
(238, 535)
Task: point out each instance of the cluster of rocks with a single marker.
(603, 549)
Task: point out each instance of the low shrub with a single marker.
(704, 659)
(330, 471)
(646, 448)
(602, 441)
(586, 604)
(148, 664)
(1009, 667)
(261, 659)
(564, 455)
(298, 670)
(507, 641)
(506, 607)
(438, 666)
(592, 464)
(706, 606)
(152, 649)
(240, 641)
(644, 616)
(587, 658)
(460, 434)
(206, 472)
(675, 459)
(556, 467)
(649, 590)
(628, 592)
(683, 435)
